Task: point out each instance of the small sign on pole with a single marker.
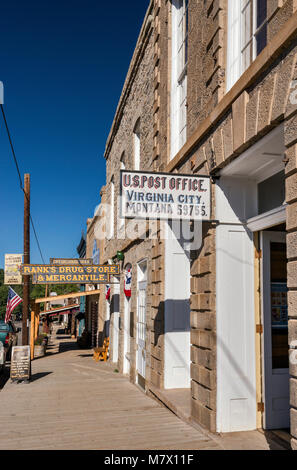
(71, 261)
(20, 368)
(12, 269)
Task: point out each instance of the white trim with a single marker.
(233, 43)
(178, 109)
(236, 31)
(270, 168)
(111, 218)
(268, 219)
(275, 382)
(141, 319)
(235, 327)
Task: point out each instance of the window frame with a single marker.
(179, 61)
(122, 167)
(111, 230)
(236, 32)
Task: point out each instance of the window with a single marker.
(137, 145)
(111, 219)
(179, 75)
(247, 35)
(122, 167)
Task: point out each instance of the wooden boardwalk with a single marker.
(74, 403)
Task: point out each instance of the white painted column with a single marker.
(115, 321)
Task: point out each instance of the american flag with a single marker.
(12, 301)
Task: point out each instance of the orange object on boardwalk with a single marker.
(100, 354)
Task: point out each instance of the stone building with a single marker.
(212, 90)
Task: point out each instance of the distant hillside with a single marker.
(36, 292)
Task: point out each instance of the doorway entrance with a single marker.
(127, 321)
(115, 317)
(126, 365)
(141, 323)
(275, 361)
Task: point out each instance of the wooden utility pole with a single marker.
(26, 279)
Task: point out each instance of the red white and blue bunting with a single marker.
(127, 283)
(107, 292)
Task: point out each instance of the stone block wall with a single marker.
(255, 111)
(137, 102)
(203, 332)
(203, 312)
(206, 59)
(258, 109)
(291, 199)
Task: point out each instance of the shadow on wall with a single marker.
(114, 304)
(104, 333)
(179, 313)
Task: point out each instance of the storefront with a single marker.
(251, 290)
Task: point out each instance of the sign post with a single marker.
(35, 308)
(26, 278)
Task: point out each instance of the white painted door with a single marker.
(177, 312)
(236, 375)
(126, 366)
(275, 335)
(141, 328)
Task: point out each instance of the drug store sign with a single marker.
(146, 195)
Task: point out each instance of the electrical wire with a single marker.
(20, 179)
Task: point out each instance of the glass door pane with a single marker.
(279, 306)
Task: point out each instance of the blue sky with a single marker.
(63, 65)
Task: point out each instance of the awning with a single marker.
(64, 310)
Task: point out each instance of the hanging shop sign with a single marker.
(71, 261)
(50, 274)
(12, 269)
(147, 195)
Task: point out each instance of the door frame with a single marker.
(115, 323)
(265, 238)
(142, 267)
(127, 340)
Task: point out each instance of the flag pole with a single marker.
(26, 279)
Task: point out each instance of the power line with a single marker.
(20, 179)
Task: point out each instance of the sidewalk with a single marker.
(74, 403)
